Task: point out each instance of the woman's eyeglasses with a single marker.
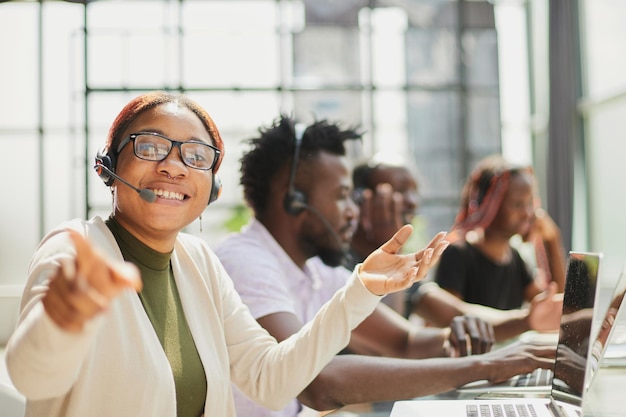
(152, 146)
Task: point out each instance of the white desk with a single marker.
(606, 394)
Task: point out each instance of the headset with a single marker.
(295, 201)
(106, 162)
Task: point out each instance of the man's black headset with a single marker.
(105, 164)
(295, 201)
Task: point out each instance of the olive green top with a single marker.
(161, 301)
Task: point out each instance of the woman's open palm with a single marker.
(386, 270)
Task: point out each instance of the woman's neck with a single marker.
(160, 242)
(497, 249)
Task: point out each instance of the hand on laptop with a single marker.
(470, 336)
(519, 358)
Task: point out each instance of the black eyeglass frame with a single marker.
(177, 143)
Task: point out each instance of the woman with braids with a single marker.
(498, 202)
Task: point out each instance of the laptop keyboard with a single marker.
(500, 410)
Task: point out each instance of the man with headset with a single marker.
(286, 263)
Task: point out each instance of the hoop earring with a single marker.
(200, 219)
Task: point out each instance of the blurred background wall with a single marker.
(441, 82)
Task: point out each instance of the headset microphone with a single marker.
(144, 193)
(347, 256)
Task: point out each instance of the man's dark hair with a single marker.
(362, 175)
(274, 149)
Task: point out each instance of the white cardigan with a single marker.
(116, 365)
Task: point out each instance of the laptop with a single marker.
(608, 329)
(583, 292)
(615, 349)
(570, 367)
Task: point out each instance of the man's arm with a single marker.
(549, 235)
(383, 333)
(352, 379)
(387, 333)
(439, 307)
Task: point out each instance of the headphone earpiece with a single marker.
(216, 188)
(106, 160)
(295, 201)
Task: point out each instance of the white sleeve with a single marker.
(273, 374)
(42, 359)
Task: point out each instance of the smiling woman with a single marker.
(133, 293)
(178, 171)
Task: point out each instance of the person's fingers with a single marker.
(439, 248)
(426, 258)
(480, 335)
(383, 211)
(85, 254)
(91, 270)
(66, 304)
(458, 336)
(107, 278)
(82, 296)
(396, 210)
(548, 294)
(83, 286)
(424, 264)
(487, 335)
(492, 335)
(127, 275)
(471, 327)
(394, 244)
(385, 270)
(365, 212)
(55, 302)
(473, 331)
(437, 242)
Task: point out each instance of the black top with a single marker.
(466, 270)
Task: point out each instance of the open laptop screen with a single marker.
(575, 332)
(599, 346)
